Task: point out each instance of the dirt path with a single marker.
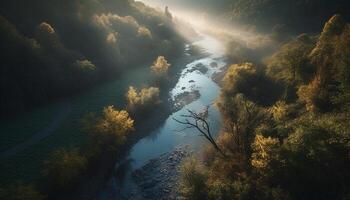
(40, 135)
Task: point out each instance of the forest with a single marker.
(166, 100)
(55, 39)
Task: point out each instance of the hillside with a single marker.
(54, 49)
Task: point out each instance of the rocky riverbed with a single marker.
(159, 178)
(185, 98)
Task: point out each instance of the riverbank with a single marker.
(159, 178)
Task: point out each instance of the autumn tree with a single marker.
(20, 191)
(192, 182)
(64, 168)
(143, 99)
(108, 132)
(160, 67)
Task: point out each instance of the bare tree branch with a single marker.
(200, 123)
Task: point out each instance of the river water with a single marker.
(170, 134)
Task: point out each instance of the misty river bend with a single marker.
(171, 136)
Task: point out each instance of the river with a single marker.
(30, 138)
(170, 134)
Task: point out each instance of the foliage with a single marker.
(290, 63)
(19, 191)
(144, 32)
(192, 184)
(160, 67)
(85, 65)
(305, 14)
(64, 168)
(265, 150)
(294, 148)
(280, 111)
(250, 80)
(143, 99)
(54, 62)
(108, 132)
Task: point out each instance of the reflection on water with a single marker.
(167, 136)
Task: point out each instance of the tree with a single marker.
(64, 168)
(20, 191)
(109, 132)
(265, 150)
(144, 99)
(192, 182)
(241, 116)
(199, 122)
(160, 67)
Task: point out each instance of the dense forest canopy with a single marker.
(304, 15)
(65, 46)
(286, 132)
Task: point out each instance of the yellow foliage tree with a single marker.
(64, 168)
(279, 111)
(264, 151)
(108, 132)
(160, 67)
(146, 97)
(235, 74)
